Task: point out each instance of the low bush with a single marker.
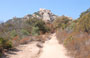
(4, 44)
(77, 44)
(13, 33)
(61, 22)
(35, 31)
(71, 27)
(25, 40)
(37, 26)
(83, 24)
(25, 32)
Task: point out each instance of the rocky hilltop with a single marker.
(44, 14)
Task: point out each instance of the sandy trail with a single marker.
(25, 51)
(52, 49)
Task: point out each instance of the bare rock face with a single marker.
(47, 15)
(43, 14)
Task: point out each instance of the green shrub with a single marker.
(61, 22)
(4, 44)
(41, 25)
(32, 21)
(35, 31)
(66, 41)
(71, 27)
(84, 23)
(37, 24)
(7, 44)
(13, 33)
(25, 32)
(85, 12)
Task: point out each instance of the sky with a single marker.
(20, 8)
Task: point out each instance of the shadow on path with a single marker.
(11, 51)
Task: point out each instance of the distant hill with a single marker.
(29, 23)
(43, 14)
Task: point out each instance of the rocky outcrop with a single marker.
(47, 15)
(43, 14)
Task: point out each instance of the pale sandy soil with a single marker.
(52, 49)
(29, 50)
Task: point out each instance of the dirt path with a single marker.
(52, 49)
(25, 51)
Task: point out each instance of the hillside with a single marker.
(74, 35)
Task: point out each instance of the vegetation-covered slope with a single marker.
(77, 41)
(73, 34)
(17, 31)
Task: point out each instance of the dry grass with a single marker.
(78, 44)
(41, 38)
(25, 40)
(15, 41)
